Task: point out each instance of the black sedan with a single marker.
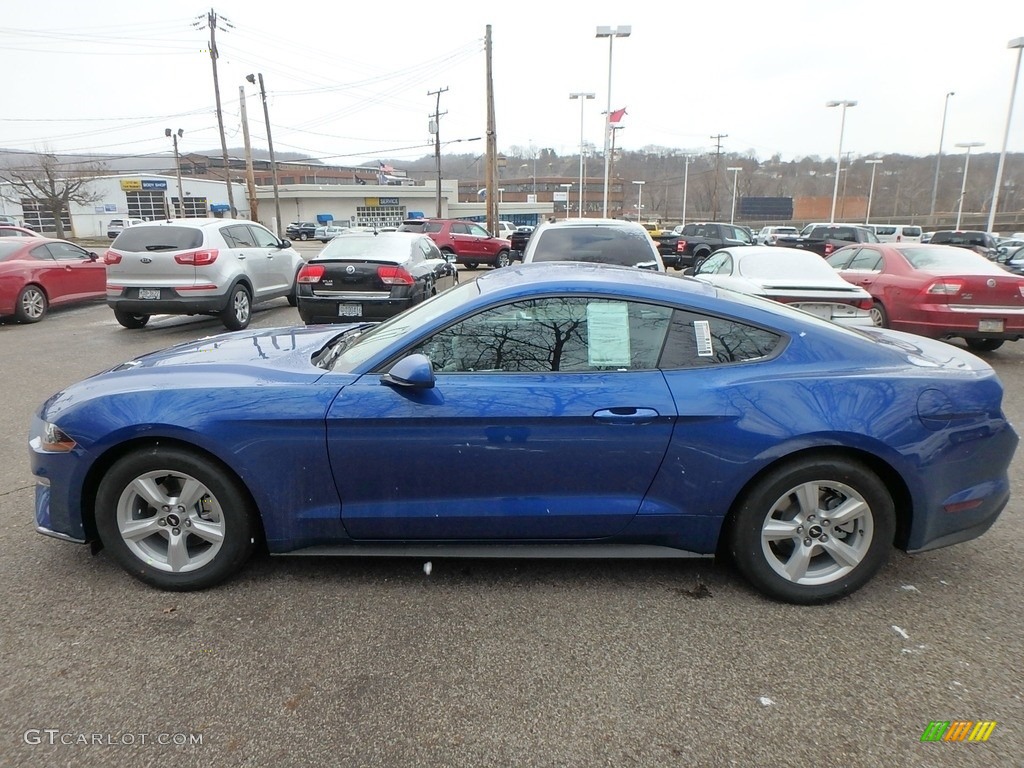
(371, 276)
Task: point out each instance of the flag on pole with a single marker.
(616, 116)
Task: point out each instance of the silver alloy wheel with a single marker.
(33, 303)
(170, 521)
(817, 533)
(877, 319)
(240, 305)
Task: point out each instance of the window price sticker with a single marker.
(702, 335)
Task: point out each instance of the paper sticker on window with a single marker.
(702, 335)
(608, 334)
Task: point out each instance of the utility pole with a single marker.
(270, 146)
(613, 128)
(435, 128)
(492, 139)
(250, 180)
(718, 160)
(211, 23)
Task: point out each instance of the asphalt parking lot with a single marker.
(307, 661)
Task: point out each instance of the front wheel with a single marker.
(813, 530)
(502, 260)
(303, 236)
(129, 320)
(31, 305)
(174, 519)
(983, 345)
(238, 312)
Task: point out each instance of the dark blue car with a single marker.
(546, 409)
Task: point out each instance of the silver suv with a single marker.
(215, 267)
(599, 241)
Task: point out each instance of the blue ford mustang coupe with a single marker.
(542, 410)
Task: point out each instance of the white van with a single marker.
(896, 233)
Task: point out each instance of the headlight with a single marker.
(55, 440)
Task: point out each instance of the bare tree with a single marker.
(45, 184)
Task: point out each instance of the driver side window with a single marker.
(567, 334)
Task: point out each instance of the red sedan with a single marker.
(39, 272)
(937, 291)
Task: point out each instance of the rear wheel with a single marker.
(879, 316)
(813, 530)
(31, 305)
(303, 236)
(984, 345)
(238, 312)
(471, 265)
(293, 294)
(129, 320)
(174, 519)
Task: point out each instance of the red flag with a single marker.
(616, 116)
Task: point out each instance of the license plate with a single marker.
(990, 326)
(350, 310)
(821, 310)
(149, 293)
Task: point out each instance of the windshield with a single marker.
(140, 238)
(784, 263)
(368, 246)
(366, 345)
(950, 260)
(602, 245)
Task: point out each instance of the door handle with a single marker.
(626, 415)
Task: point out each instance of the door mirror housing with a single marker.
(415, 371)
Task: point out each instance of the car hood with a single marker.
(286, 349)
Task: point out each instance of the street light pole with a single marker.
(1017, 43)
(639, 199)
(686, 178)
(938, 158)
(175, 135)
(735, 177)
(270, 146)
(582, 96)
(611, 33)
(839, 155)
(567, 188)
(963, 184)
(871, 189)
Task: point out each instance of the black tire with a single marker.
(809, 557)
(879, 316)
(192, 545)
(699, 258)
(128, 320)
(303, 236)
(502, 260)
(238, 312)
(983, 345)
(471, 265)
(293, 294)
(31, 305)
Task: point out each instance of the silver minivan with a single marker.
(896, 233)
(215, 267)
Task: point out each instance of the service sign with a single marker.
(377, 202)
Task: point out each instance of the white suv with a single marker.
(198, 267)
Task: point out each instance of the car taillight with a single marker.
(394, 276)
(680, 246)
(111, 257)
(865, 304)
(311, 273)
(198, 258)
(945, 288)
(829, 248)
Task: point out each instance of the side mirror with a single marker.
(414, 371)
(286, 243)
(93, 256)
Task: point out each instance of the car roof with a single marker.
(579, 275)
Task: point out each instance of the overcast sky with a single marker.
(348, 81)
